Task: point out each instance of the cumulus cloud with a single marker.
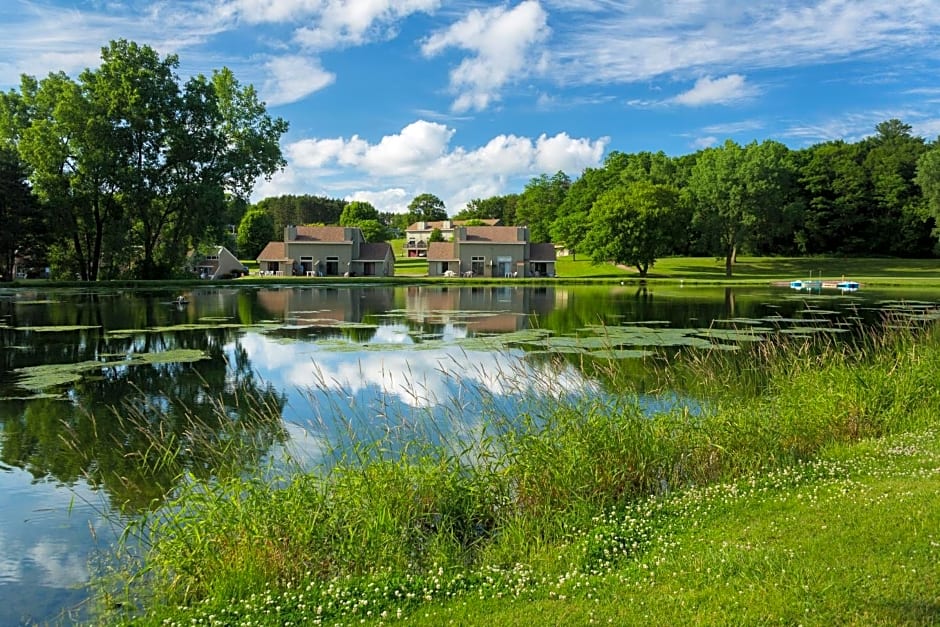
(731, 88)
(422, 158)
(504, 48)
(339, 23)
(291, 78)
(704, 142)
(394, 200)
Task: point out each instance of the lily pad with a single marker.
(54, 375)
(621, 354)
(733, 335)
(60, 329)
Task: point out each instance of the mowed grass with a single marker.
(885, 271)
(852, 538)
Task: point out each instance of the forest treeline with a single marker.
(877, 196)
(102, 178)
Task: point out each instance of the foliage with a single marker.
(502, 208)
(426, 208)
(373, 230)
(255, 230)
(293, 210)
(129, 160)
(735, 191)
(357, 211)
(587, 496)
(436, 235)
(633, 224)
(23, 222)
(539, 204)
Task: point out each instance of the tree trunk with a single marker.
(729, 260)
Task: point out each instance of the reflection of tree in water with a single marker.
(152, 423)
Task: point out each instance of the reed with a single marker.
(426, 509)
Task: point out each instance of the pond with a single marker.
(80, 368)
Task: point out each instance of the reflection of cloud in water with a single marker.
(392, 334)
(402, 394)
(418, 378)
(61, 568)
(9, 567)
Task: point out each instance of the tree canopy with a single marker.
(426, 208)
(134, 166)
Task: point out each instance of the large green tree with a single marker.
(426, 208)
(737, 193)
(503, 208)
(137, 167)
(22, 221)
(305, 209)
(633, 224)
(928, 179)
(539, 204)
(572, 221)
(356, 212)
(255, 230)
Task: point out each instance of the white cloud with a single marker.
(290, 78)
(338, 23)
(705, 142)
(394, 200)
(638, 41)
(503, 43)
(421, 158)
(408, 153)
(731, 88)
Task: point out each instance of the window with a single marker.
(477, 264)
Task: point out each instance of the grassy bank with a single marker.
(888, 271)
(807, 493)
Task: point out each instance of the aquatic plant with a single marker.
(538, 503)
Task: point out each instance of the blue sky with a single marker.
(388, 99)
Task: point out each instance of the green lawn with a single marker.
(852, 539)
(765, 269)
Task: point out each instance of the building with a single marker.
(218, 263)
(326, 251)
(491, 251)
(418, 235)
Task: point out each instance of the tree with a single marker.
(736, 191)
(633, 224)
(291, 210)
(437, 236)
(255, 230)
(900, 222)
(356, 212)
(373, 230)
(502, 208)
(426, 208)
(131, 161)
(928, 178)
(22, 221)
(573, 219)
(539, 203)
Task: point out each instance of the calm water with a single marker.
(361, 360)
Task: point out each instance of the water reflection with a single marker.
(334, 366)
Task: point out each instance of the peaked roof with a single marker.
(439, 224)
(441, 251)
(377, 251)
(542, 252)
(501, 234)
(321, 234)
(274, 251)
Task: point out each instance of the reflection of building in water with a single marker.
(507, 307)
(339, 304)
